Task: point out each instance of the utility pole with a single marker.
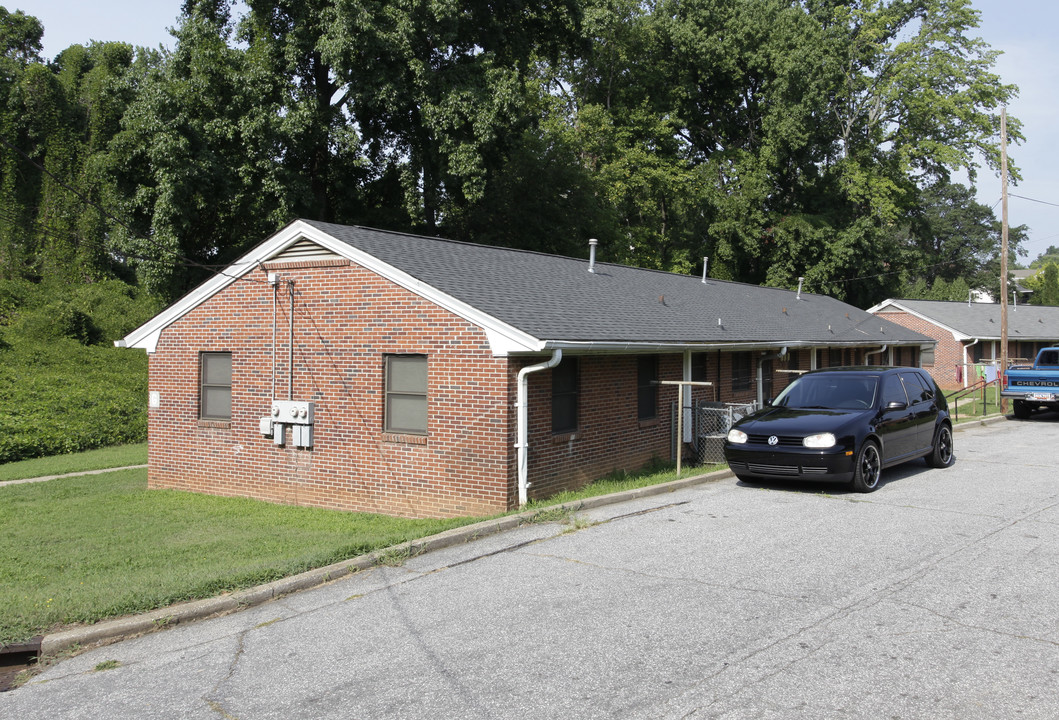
(1003, 254)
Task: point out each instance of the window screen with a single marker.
(646, 390)
(565, 396)
(215, 386)
(741, 370)
(406, 394)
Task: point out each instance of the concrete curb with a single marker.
(992, 419)
(108, 631)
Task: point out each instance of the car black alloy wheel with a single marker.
(868, 468)
(941, 454)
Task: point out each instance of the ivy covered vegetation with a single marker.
(64, 387)
(780, 138)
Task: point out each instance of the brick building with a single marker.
(373, 371)
(968, 334)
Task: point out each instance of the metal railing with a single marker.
(978, 388)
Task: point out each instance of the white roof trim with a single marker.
(956, 334)
(503, 338)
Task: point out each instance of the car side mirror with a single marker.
(896, 405)
(768, 403)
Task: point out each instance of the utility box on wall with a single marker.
(290, 422)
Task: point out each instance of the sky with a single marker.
(1024, 30)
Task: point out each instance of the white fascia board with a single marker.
(649, 347)
(146, 336)
(503, 338)
(956, 334)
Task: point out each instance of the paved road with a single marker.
(935, 597)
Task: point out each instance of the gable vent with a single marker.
(304, 250)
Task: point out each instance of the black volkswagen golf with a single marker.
(844, 425)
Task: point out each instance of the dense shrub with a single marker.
(65, 397)
(64, 387)
(92, 314)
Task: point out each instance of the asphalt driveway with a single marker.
(935, 597)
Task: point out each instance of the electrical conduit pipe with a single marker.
(522, 404)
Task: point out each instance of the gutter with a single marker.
(522, 406)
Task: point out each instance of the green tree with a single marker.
(20, 46)
(1045, 285)
(440, 90)
(198, 176)
(1051, 255)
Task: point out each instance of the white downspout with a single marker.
(761, 361)
(874, 352)
(522, 404)
(966, 365)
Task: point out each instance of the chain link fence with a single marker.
(706, 426)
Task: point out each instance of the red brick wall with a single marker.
(609, 436)
(345, 320)
(948, 353)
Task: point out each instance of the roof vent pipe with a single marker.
(799, 296)
(705, 264)
(592, 242)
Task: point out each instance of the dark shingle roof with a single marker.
(982, 320)
(555, 298)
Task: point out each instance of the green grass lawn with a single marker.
(86, 548)
(109, 457)
(971, 405)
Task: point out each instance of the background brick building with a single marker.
(968, 334)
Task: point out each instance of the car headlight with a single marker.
(823, 440)
(736, 436)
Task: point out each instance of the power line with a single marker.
(1042, 202)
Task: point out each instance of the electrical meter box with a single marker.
(289, 421)
(294, 412)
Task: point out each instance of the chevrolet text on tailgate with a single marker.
(1034, 387)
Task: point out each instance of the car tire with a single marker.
(1021, 409)
(941, 453)
(868, 468)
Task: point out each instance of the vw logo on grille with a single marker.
(773, 440)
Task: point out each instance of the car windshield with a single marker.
(830, 391)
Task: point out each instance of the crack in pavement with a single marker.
(980, 628)
(215, 705)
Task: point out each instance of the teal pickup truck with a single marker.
(1036, 386)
